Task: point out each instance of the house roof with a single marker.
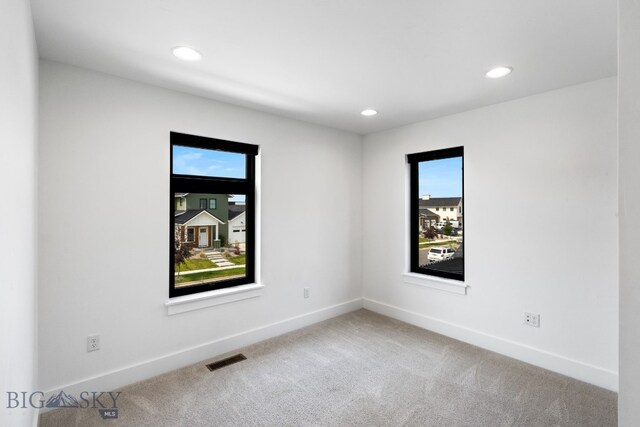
(440, 201)
(235, 210)
(183, 217)
(180, 194)
(426, 212)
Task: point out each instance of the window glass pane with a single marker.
(207, 247)
(213, 163)
(441, 230)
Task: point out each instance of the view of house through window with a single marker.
(437, 213)
(211, 241)
(212, 214)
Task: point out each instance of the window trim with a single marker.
(222, 185)
(414, 210)
(215, 203)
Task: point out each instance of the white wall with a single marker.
(554, 150)
(104, 269)
(18, 96)
(629, 183)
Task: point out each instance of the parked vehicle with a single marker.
(440, 254)
(454, 224)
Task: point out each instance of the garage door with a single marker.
(237, 234)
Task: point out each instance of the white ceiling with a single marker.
(324, 61)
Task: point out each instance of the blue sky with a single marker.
(441, 178)
(197, 161)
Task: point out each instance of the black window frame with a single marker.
(179, 183)
(203, 202)
(414, 210)
(215, 203)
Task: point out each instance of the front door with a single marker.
(203, 238)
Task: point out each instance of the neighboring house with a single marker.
(202, 218)
(444, 208)
(427, 219)
(237, 223)
(199, 227)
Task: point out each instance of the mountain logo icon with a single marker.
(62, 400)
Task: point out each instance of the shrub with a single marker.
(430, 233)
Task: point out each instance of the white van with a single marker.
(440, 254)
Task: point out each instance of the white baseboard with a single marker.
(117, 379)
(544, 359)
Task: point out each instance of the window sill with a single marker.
(212, 298)
(435, 282)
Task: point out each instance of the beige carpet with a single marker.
(360, 369)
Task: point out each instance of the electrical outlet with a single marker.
(532, 319)
(93, 342)
(306, 292)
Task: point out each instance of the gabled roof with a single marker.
(180, 194)
(183, 217)
(240, 216)
(235, 210)
(440, 201)
(426, 212)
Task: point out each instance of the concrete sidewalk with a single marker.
(218, 259)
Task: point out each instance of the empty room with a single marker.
(320, 213)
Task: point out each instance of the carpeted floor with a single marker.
(359, 369)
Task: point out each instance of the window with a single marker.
(210, 174)
(436, 180)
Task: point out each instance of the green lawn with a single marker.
(238, 259)
(196, 264)
(211, 275)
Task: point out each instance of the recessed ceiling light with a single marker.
(498, 72)
(186, 53)
(369, 112)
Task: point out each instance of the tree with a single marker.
(181, 250)
(448, 228)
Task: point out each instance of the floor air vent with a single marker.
(226, 362)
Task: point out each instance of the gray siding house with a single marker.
(202, 218)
